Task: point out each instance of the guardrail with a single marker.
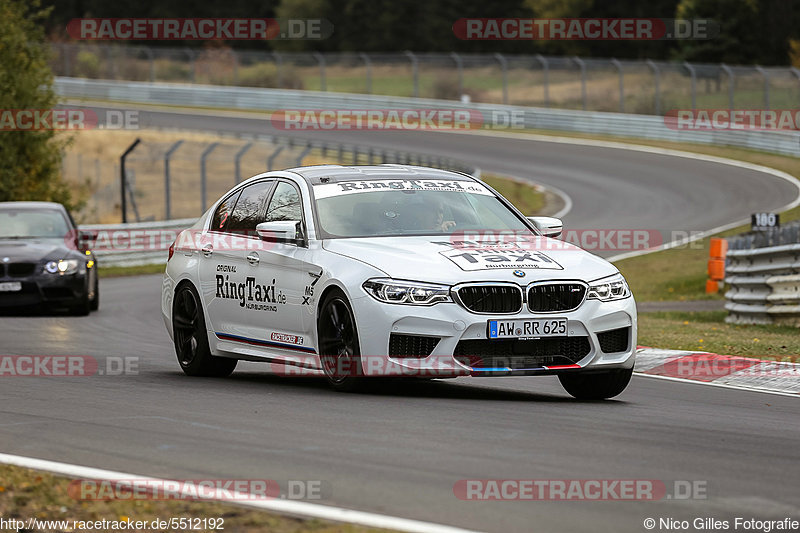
(495, 116)
(764, 285)
(134, 244)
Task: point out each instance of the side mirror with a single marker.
(279, 231)
(548, 226)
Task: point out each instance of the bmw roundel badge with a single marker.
(519, 273)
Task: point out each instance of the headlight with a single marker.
(608, 289)
(62, 266)
(407, 292)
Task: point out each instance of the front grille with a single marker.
(57, 293)
(411, 345)
(518, 354)
(615, 340)
(549, 297)
(21, 270)
(491, 298)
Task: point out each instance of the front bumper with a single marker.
(464, 334)
(45, 288)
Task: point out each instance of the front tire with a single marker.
(191, 340)
(94, 302)
(596, 386)
(339, 349)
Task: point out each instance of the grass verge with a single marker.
(706, 331)
(139, 270)
(27, 494)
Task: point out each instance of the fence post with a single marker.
(203, 157)
(546, 73)
(321, 60)
(66, 53)
(151, 61)
(729, 72)
(273, 156)
(191, 54)
(167, 178)
(122, 178)
(414, 69)
(368, 64)
(765, 74)
(582, 66)
(237, 161)
(460, 67)
(235, 67)
(279, 68)
(617, 64)
(657, 81)
(693, 74)
(303, 155)
(504, 66)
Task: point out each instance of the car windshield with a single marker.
(32, 223)
(410, 207)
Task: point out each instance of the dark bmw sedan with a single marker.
(42, 261)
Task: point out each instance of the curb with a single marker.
(726, 370)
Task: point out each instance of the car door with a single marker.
(228, 277)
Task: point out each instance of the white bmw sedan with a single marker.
(392, 270)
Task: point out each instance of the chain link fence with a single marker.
(643, 87)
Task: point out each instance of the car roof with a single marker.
(336, 173)
(30, 205)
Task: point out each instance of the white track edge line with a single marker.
(295, 508)
(720, 385)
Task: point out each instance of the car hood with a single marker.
(32, 251)
(444, 260)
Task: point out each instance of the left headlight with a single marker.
(407, 292)
(62, 266)
(607, 289)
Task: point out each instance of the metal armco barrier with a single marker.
(139, 243)
(496, 115)
(764, 285)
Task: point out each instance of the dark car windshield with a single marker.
(410, 207)
(32, 223)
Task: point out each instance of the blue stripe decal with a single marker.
(503, 369)
(259, 342)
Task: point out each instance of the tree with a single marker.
(30, 161)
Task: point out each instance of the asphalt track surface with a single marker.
(400, 448)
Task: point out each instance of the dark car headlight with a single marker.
(407, 292)
(62, 266)
(608, 289)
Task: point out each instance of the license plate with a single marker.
(11, 286)
(528, 328)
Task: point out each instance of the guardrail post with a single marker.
(303, 155)
(272, 156)
(368, 64)
(731, 80)
(657, 82)
(546, 73)
(237, 161)
(321, 60)
(460, 67)
(765, 74)
(617, 64)
(693, 74)
(504, 67)
(122, 179)
(415, 70)
(582, 66)
(167, 156)
(203, 156)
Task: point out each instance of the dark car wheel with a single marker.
(596, 385)
(338, 343)
(94, 300)
(191, 342)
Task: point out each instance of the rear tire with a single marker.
(191, 339)
(339, 349)
(596, 386)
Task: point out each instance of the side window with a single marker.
(247, 213)
(222, 215)
(285, 204)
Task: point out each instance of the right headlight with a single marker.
(608, 289)
(406, 292)
(62, 266)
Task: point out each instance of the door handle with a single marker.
(207, 250)
(252, 258)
